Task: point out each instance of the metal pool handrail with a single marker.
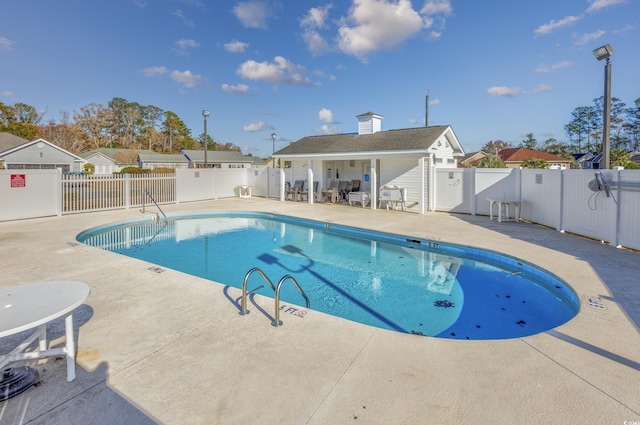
(277, 321)
(152, 200)
(243, 302)
(276, 289)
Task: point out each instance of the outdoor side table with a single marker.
(362, 197)
(34, 305)
(244, 191)
(504, 209)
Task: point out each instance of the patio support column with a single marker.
(282, 182)
(424, 185)
(374, 184)
(311, 194)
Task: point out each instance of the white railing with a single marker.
(95, 193)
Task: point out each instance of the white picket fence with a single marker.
(103, 192)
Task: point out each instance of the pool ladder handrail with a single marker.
(276, 290)
(144, 198)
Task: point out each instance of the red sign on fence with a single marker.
(18, 180)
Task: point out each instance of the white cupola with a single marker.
(369, 123)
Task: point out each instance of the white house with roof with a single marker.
(222, 159)
(154, 160)
(17, 153)
(404, 158)
(111, 160)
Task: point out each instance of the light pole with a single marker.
(205, 114)
(273, 138)
(600, 53)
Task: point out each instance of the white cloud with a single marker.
(254, 127)
(542, 88)
(186, 21)
(556, 66)
(325, 115)
(601, 4)
(554, 25)
(503, 91)
(154, 70)
(238, 89)
(280, 71)
(236, 46)
(314, 20)
(326, 129)
(316, 17)
(252, 14)
(434, 102)
(437, 7)
(187, 78)
(315, 42)
(184, 44)
(378, 24)
(581, 40)
(6, 44)
(624, 29)
(6, 93)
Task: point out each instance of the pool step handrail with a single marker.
(276, 290)
(243, 302)
(144, 198)
(277, 321)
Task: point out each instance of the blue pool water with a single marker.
(389, 281)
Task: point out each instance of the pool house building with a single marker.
(404, 158)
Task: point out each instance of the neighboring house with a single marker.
(103, 160)
(219, 159)
(514, 157)
(17, 153)
(401, 157)
(472, 159)
(583, 160)
(157, 160)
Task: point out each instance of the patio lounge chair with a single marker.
(342, 189)
(355, 185)
(305, 193)
(295, 190)
(331, 193)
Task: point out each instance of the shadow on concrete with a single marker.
(53, 400)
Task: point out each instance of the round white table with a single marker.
(34, 305)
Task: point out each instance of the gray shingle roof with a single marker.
(389, 140)
(111, 152)
(162, 158)
(217, 156)
(9, 141)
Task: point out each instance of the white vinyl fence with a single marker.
(561, 199)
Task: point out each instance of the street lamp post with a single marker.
(600, 53)
(205, 114)
(273, 138)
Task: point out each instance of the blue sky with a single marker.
(494, 69)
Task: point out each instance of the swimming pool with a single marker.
(390, 281)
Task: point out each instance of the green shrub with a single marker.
(89, 168)
(134, 170)
(163, 170)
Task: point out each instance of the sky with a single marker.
(492, 69)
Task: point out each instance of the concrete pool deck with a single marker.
(171, 348)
